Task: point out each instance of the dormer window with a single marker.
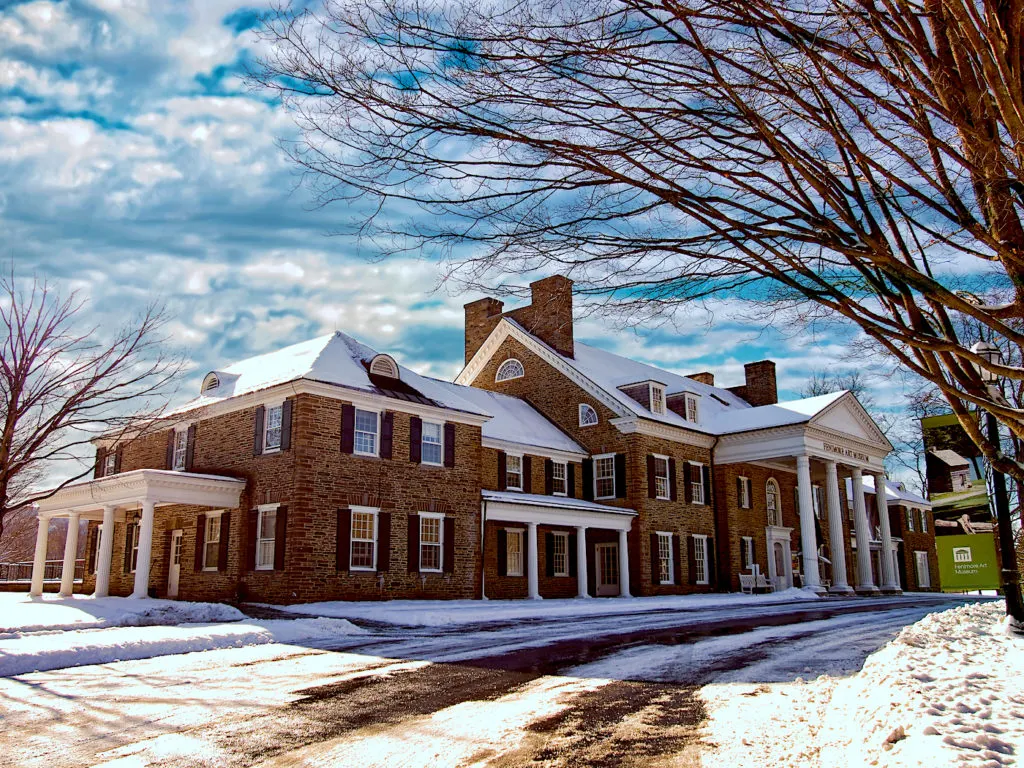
(588, 416)
(510, 369)
(211, 382)
(657, 399)
(384, 365)
(692, 409)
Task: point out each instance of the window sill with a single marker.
(366, 455)
(261, 568)
(663, 498)
(363, 569)
(430, 570)
(511, 488)
(432, 463)
(604, 498)
(269, 451)
(210, 570)
(514, 575)
(558, 493)
(561, 575)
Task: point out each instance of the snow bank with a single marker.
(946, 691)
(437, 613)
(20, 613)
(21, 653)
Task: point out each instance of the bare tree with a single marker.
(62, 385)
(844, 160)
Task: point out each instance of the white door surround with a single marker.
(174, 567)
(779, 548)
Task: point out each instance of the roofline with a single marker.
(513, 446)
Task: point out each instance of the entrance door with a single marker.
(174, 569)
(607, 569)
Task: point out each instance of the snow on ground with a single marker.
(440, 613)
(948, 690)
(21, 613)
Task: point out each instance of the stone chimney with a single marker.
(704, 377)
(482, 316)
(549, 315)
(760, 388)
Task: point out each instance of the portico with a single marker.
(109, 500)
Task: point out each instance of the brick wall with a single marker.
(914, 541)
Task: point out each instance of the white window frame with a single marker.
(180, 452)
(373, 511)
(697, 485)
(587, 408)
(700, 557)
(519, 458)
(924, 520)
(692, 408)
(564, 478)
(440, 542)
(135, 545)
(99, 543)
(110, 464)
(261, 512)
(356, 431)
(748, 545)
(920, 556)
(656, 396)
(769, 495)
(510, 363)
(517, 535)
(207, 541)
(269, 408)
(564, 538)
(911, 523)
(817, 500)
(439, 443)
(662, 537)
(744, 501)
(597, 477)
(667, 495)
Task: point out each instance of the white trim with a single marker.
(522, 471)
(440, 443)
(591, 409)
(440, 542)
(554, 454)
(356, 430)
(375, 512)
(705, 492)
(267, 408)
(701, 537)
(179, 430)
(564, 535)
(651, 387)
(564, 478)
(526, 513)
(261, 510)
(671, 558)
(747, 542)
(629, 425)
(208, 516)
(668, 477)
(595, 478)
(519, 534)
(498, 378)
(690, 397)
(777, 522)
(393, 371)
(748, 487)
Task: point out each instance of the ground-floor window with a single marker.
(665, 559)
(560, 553)
(747, 552)
(266, 531)
(514, 553)
(135, 546)
(700, 558)
(211, 543)
(364, 541)
(921, 566)
(431, 532)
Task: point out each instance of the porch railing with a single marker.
(14, 573)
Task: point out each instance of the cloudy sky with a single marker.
(136, 166)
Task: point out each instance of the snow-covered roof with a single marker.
(562, 502)
(894, 491)
(950, 458)
(777, 415)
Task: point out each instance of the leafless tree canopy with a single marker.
(61, 385)
(856, 160)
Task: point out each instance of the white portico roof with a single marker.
(130, 489)
(515, 507)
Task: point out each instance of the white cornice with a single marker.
(510, 512)
(510, 446)
(630, 425)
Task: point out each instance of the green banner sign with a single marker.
(967, 562)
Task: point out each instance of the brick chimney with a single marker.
(704, 377)
(482, 316)
(760, 388)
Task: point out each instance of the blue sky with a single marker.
(135, 165)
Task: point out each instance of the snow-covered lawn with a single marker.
(948, 690)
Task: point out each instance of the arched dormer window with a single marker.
(588, 416)
(771, 494)
(510, 369)
(211, 382)
(384, 365)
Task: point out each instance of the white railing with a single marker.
(14, 573)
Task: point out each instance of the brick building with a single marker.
(550, 468)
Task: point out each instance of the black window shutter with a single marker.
(570, 483)
(712, 570)
(672, 492)
(190, 447)
(652, 490)
(387, 434)
(200, 541)
(691, 558)
(588, 479)
(415, 439)
(286, 425)
(413, 557)
(348, 428)
(101, 461)
(655, 560)
(687, 483)
(502, 472)
(252, 522)
(549, 554)
(343, 540)
(678, 558)
(620, 475)
(706, 480)
(449, 445)
(170, 450)
(502, 552)
(448, 566)
(383, 541)
(527, 474)
(257, 430)
(281, 537)
(549, 478)
(90, 549)
(225, 535)
(572, 554)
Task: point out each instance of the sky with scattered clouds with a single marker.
(135, 165)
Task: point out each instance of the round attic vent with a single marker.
(211, 381)
(384, 365)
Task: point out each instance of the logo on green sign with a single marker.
(967, 562)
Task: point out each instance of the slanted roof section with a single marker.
(894, 492)
(778, 415)
(950, 458)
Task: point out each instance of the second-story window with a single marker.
(110, 464)
(697, 483)
(432, 443)
(514, 473)
(604, 477)
(272, 429)
(181, 449)
(661, 489)
(366, 433)
(558, 478)
(924, 522)
(743, 492)
(910, 519)
(771, 494)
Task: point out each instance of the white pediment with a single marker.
(848, 417)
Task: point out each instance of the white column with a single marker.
(145, 551)
(106, 553)
(67, 573)
(808, 538)
(624, 564)
(532, 587)
(835, 530)
(889, 581)
(39, 561)
(581, 561)
(865, 583)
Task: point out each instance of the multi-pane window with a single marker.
(588, 416)
(665, 569)
(266, 536)
(110, 464)
(366, 433)
(364, 541)
(559, 482)
(924, 521)
(181, 448)
(748, 549)
(661, 487)
(924, 578)
(514, 553)
(431, 443)
(560, 553)
(430, 542)
(211, 543)
(910, 519)
(697, 483)
(700, 558)
(771, 494)
(272, 428)
(743, 490)
(135, 546)
(510, 369)
(657, 399)
(816, 501)
(604, 477)
(514, 472)
(692, 413)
